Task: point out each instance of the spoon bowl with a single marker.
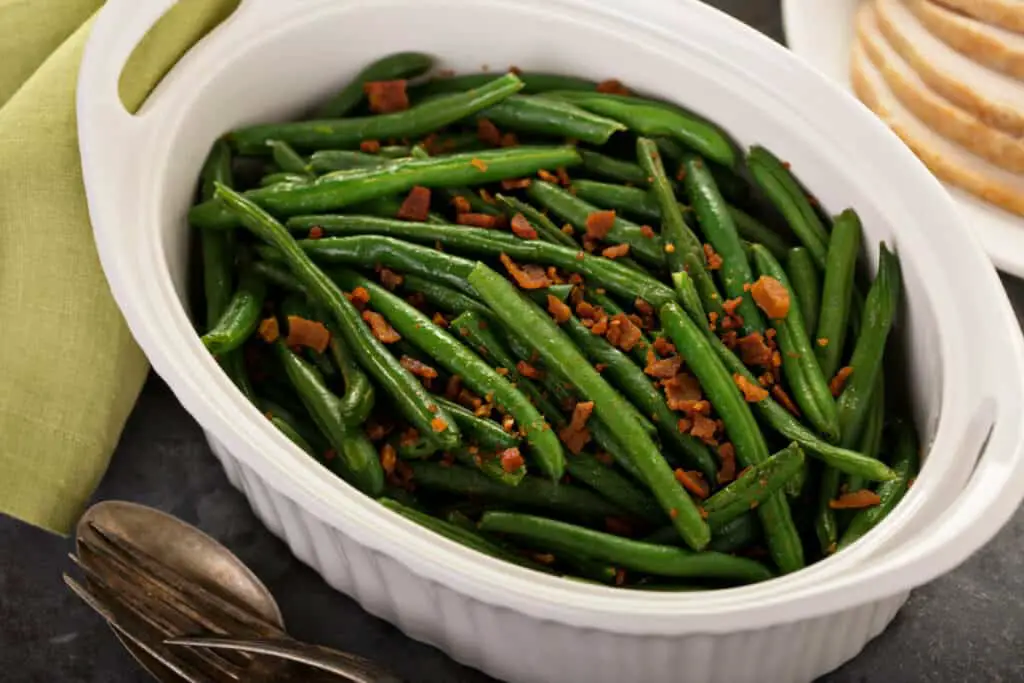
(185, 549)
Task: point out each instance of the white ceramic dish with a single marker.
(140, 174)
(821, 33)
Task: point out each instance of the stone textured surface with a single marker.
(967, 626)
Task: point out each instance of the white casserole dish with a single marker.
(965, 352)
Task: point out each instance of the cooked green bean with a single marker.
(408, 394)
(653, 119)
(612, 168)
(532, 83)
(491, 465)
(307, 432)
(478, 375)
(345, 188)
(576, 211)
(280, 180)
(398, 66)
(335, 133)
(241, 317)
(487, 434)
(546, 229)
(840, 267)
(785, 193)
(329, 160)
(476, 202)
(871, 439)
(355, 458)
(735, 535)
(662, 560)
(803, 276)
(287, 159)
(753, 487)
(905, 463)
(561, 356)
(442, 296)
(809, 386)
(537, 114)
(532, 492)
(610, 484)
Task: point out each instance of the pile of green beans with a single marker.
(525, 312)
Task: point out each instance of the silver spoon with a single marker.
(201, 587)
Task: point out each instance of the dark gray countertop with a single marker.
(967, 626)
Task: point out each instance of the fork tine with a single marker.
(169, 580)
(176, 661)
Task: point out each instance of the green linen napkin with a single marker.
(69, 369)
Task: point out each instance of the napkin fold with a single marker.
(69, 369)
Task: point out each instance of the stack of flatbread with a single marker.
(948, 78)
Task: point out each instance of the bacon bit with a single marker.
(511, 460)
(477, 220)
(486, 196)
(453, 387)
(307, 333)
(388, 459)
(439, 320)
(704, 429)
(547, 176)
(642, 307)
(681, 390)
(771, 296)
(563, 176)
(527, 370)
(618, 526)
(438, 424)
(369, 146)
(508, 423)
(613, 86)
(522, 229)
(839, 381)
(647, 231)
(732, 322)
(670, 248)
(663, 346)
(558, 309)
(543, 558)
(416, 205)
(730, 305)
(588, 311)
(577, 280)
(316, 232)
(752, 393)
(780, 395)
(600, 327)
(604, 458)
(673, 513)
(714, 261)
(684, 425)
(727, 456)
(462, 205)
(753, 350)
(693, 482)
(417, 368)
(386, 97)
(269, 330)
(468, 399)
(380, 327)
(359, 297)
(766, 380)
(623, 332)
(600, 367)
(479, 164)
(617, 251)
(665, 368)
(390, 278)
(529, 276)
(855, 500)
(822, 341)
(488, 133)
(508, 140)
(515, 184)
(409, 437)
(599, 223)
(575, 435)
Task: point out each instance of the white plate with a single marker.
(820, 32)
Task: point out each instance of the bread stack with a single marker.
(948, 78)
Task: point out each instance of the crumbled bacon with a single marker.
(477, 220)
(390, 278)
(663, 346)
(854, 500)
(558, 309)
(704, 428)
(664, 368)
(839, 381)
(599, 224)
(714, 261)
(511, 460)
(386, 97)
(527, 370)
(682, 390)
(727, 456)
(515, 184)
(308, 333)
(418, 368)
(380, 327)
(487, 132)
(522, 229)
(612, 86)
(369, 146)
(753, 350)
(269, 330)
(617, 251)
(416, 205)
(752, 393)
(623, 332)
(529, 276)
(771, 296)
(693, 482)
(575, 435)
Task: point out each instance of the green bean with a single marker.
(576, 211)
(388, 207)
(871, 439)
(546, 229)
(740, 533)
(356, 459)
(309, 434)
(720, 230)
(562, 357)
(218, 253)
(533, 114)
(406, 391)
(240, 318)
(840, 267)
(785, 193)
(532, 492)
(719, 387)
(401, 65)
(905, 463)
(803, 276)
(607, 482)
(612, 308)
(476, 202)
(661, 560)
(809, 386)
(753, 486)
(490, 464)
(442, 296)
(452, 270)
(337, 133)
(485, 433)
(329, 160)
(345, 188)
(281, 180)
(621, 371)
(615, 169)
(585, 569)
(478, 375)
(532, 83)
(653, 119)
(292, 433)
(287, 159)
